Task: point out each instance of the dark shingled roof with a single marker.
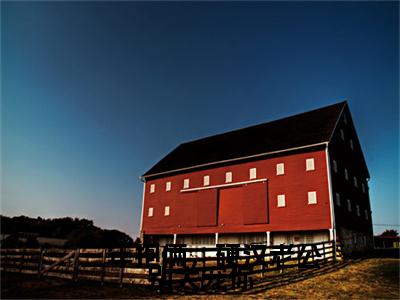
(299, 130)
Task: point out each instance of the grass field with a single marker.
(366, 279)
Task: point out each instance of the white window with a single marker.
(280, 169)
(310, 164)
(166, 211)
(168, 186)
(335, 166)
(228, 177)
(366, 214)
(342, 134)
(358, 210)
(253, 173)
(186, 183)
(281, 201)
(346, 174)
(206, 180)
(152, 188)
(312, 197)
(355, 181)
(363, 187)
(150, 212)
(348, 205)
(337, 199)
(351, 145)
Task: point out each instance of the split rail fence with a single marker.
(175, 267)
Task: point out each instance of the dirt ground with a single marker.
(365, 279)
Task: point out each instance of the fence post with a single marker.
(76, 266)
(22, 260)
(164, 262)
(334, 248)
(122, 266)
(5, 259)
(103, 267)
(40, 260)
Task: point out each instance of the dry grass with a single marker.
(366, 279)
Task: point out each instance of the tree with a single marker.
(390, 232)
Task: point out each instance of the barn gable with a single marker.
(305, 129)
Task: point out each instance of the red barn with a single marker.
(294, 180)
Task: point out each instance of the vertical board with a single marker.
(185, 210)
(255, 203)
(207, 207)
(230, 206)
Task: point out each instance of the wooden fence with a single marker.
(139, 265)
(236, 267)
(181, 268)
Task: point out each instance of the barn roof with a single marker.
(303, 129)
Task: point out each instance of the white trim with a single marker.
(252, 173)
(206, 180)
(281, 200)
(310, 164)
(186, 183)
(280, 169)
(228, 177)
(150, 212)
(174, 239)
(166, 211)
(328, 171)
(141, 216)
(268, 238)
(312, 197)
(223, 185)
(216, 238)
(238, 158)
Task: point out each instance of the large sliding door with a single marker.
(246, 204)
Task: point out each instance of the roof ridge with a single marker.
(344, 102)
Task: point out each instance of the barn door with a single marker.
(243, 205)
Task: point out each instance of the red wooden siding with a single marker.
(243, 208)
(254, 203)
(207, 207)
(230, 206)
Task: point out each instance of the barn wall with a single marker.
(198, 212)
(349, 157)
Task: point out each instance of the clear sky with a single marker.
(95, 93)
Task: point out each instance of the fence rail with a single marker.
(139, 265)
(236, 267)
(175, 268)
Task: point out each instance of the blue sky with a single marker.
(95, 93)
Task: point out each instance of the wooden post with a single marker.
(5, 259)
(103, 267)
(122, 266)
(323, 249)
(334, 250)
(40, 260)
(76, 266)
(22, 260)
